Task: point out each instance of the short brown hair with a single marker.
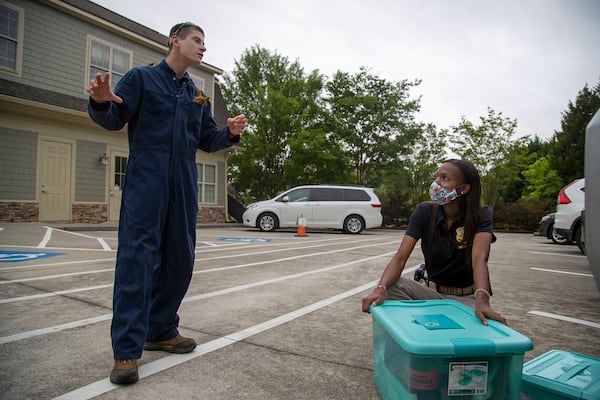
(181, 30)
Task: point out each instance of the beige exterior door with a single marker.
(55, 196)
(118, 165)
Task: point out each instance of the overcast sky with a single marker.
(524, 58)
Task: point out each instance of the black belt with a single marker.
(454, 291)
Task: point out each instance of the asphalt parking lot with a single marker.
(276, 316)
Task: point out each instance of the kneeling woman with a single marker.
(456, 234)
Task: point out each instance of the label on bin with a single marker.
(437, 321)
(423, 380)
(467, 378)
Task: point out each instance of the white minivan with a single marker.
(349, 208)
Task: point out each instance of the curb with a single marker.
(115, 226)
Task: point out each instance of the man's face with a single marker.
(192, 47)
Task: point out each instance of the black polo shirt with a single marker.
(445, 249)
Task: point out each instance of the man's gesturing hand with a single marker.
(100, 91)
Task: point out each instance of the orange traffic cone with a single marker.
(301, 231)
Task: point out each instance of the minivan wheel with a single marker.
(267, 222)
(354, 224)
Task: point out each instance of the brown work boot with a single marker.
(125, 372)
(177, 345)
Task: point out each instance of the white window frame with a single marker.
(19, 50)
(202, 184)
(112, 46)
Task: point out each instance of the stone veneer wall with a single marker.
(16, 211)
(211, 215)
(92, 213)
(89, 213)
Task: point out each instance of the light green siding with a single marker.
(55, 51)
(221, 187)
(90, 178)
(18, 164)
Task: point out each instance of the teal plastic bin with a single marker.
(439, 350)
(558, 375)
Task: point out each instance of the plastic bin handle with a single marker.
(473, 347)
(574, 370)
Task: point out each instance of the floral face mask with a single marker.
(441, 195)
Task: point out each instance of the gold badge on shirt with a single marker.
(460, 237)
(199, 99)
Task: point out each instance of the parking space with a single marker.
(276, 316)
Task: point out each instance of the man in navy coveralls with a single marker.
(168, 119)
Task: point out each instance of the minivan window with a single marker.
(326, 194)
(356, 195)
(298, 195)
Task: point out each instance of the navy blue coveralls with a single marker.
(159, 208)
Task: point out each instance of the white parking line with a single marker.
(58, 264)
(55, 328)
(560, 272)
(46, 239)
(52, 294)
(203, 271)
(146, 370)
(281, 278)
(83, 289)
(203, 251)
(104, 245)
(564, 318)
(48, 235)
(38, 332)
(558, 254)
(53, 248)
(207, 244)
(197, 272)
(41, 278)
(270, 245)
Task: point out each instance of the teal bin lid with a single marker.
(446, 327)
(568, 374)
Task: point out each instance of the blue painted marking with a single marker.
(247, 240)
(16, 256)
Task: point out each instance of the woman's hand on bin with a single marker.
(375, 298)
(483, 311)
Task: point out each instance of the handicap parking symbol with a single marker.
(16, 256)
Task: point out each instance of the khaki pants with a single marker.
(409, 289)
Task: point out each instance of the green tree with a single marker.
(426, 154)
(513, 182)
(372, 118)
(567, 153)
(316, 157)
(392, 185)
(543, 183)
(285, 144)
(488, 147)
(520, 158)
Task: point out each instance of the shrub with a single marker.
(522, 215)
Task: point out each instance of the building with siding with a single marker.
(55, 163)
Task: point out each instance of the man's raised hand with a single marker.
(100, 90)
